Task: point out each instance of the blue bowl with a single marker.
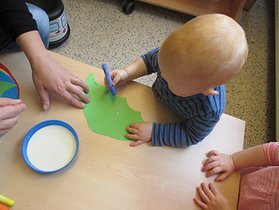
(37, 128)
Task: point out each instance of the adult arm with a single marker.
(49, 76)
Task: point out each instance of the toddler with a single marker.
(191, 65)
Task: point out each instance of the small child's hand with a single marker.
(139, 133)
(218, 163)
(210, 198)
(118, 76)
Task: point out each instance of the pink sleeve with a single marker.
(271, 151)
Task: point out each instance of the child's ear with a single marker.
(210, 92)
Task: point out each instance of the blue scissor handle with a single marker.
(108, 78)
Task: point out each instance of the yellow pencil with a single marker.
(7, 201)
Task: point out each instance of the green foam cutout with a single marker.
(106, 114)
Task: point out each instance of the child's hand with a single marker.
(218, 163)
(210, 198)
(119, 77)
(139, 133)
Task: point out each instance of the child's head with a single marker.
(202, 54)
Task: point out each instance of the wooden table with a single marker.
(108, 174)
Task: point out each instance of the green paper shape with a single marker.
(106, 114)
(4, 86)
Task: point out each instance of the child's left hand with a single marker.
(139, 133)
(218, 163)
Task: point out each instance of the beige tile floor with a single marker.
(101, 33)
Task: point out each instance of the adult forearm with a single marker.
(250, 157)
(33, 47)
(136, 69)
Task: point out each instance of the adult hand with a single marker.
(218, 163)
(139, 133)
(210, 198)
(10, 110)
(50, 77)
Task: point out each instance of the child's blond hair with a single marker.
(205, 52)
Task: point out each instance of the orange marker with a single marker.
(3, 207)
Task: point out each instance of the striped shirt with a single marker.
(199, 113)
(259, 188)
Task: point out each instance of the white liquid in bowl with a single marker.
(51, 148)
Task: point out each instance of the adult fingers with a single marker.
(9, 101)
(43, 94)
(79, 82)
(4, 131)
(78, 92)
(11, 111)
(8, 123)
(70, 98)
